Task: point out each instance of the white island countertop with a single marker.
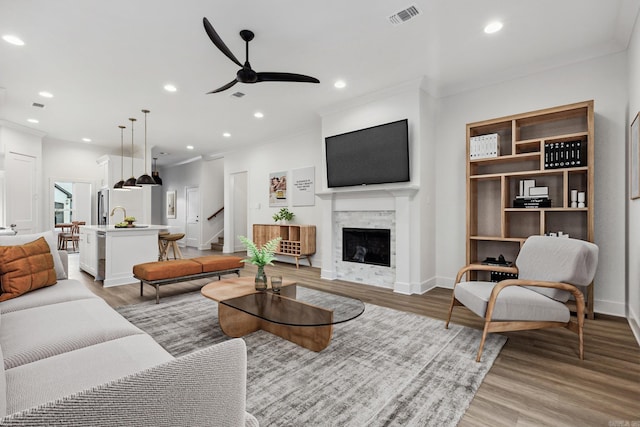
(110, 228)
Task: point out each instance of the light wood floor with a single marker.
(537, 380)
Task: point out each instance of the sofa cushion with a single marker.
(218, 262)
(158, 270)
(24, 268)
(49, 379)
(513, 303)
(64, 290)
(37, 333)
(21, 239)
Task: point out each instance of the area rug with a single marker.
(385, 367)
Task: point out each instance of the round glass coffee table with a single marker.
(297, 313)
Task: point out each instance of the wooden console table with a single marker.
(298, 241)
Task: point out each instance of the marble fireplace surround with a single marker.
(388, 207)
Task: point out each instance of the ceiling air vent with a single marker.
(404, 15)
(37, 104)
(238, 94)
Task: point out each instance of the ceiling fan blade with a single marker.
(215, 38)
(286, 77)
(225, 87)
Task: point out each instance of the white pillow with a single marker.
(21, 239)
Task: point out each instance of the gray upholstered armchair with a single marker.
(550, 270)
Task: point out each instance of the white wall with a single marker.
(633, 207)
(292, 152)
(208, 176)
(70, 162)
(603, 80)
(178, 178)
(410, 102)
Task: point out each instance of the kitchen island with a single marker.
(109, 253)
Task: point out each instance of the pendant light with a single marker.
(154, 172)
(145, 179)
(131, 182)
(119, 184)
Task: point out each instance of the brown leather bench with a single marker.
(159, 273)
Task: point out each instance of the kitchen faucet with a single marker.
(124, 211)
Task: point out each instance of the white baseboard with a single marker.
(634, 323)
(444, 282)
(327, 274)
(609, 307)
(403, 288)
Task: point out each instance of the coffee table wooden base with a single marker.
(236, 323)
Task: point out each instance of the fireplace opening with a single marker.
(367, 246)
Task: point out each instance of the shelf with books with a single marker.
(516, 194)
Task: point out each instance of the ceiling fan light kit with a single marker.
(246, 74)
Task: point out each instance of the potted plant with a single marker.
(283, 215)
(260, 257)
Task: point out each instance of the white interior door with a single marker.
(193, 217)
(21, 192)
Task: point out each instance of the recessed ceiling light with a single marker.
(258, 115)
(340, 84)
(33, 120)
(45, 94)
(493, 27)
(170, 88)
(189, 147)
(86, 139)
(226, 135)
(13, 40)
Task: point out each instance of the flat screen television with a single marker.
(375, 155)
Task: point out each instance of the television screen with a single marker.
(375, 155)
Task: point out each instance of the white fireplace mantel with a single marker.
(371, 198)
(369, 191)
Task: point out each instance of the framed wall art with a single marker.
(171, 204)
(277, 189)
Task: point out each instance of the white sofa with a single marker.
(70, 359)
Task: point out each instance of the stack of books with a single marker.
(532, 202)
(570, 154)
(484, 146)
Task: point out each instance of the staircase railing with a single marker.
(216, 213)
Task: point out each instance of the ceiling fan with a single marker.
(246, 73)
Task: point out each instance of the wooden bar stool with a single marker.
(162, 245)
(167, 241)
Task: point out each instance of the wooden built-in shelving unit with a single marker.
(494, 226)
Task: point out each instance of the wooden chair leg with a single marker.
(454, 302)
(484, 337)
